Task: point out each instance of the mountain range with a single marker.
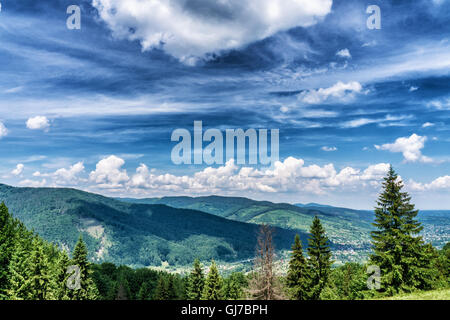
(173, 231)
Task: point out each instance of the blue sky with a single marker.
(95, 108)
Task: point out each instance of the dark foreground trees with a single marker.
(307, 278)
(33, 269)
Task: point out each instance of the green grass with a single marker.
(443, 294)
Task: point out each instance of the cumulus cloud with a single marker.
(18, 170)
(290, 175)
(411, 148)
(109, 173)
(340, 91)
(3, 130)
(329, 149)
(33, 183)
(344, 53)
(192, 28)
(441, 183)
(70, 175)
(427, 125)
(38, 123)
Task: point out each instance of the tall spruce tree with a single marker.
(39, 277)
(213, 289)
(233, 286)
(397, 249)
(161, 292)
(19, 269)
(144, 291)
(62, 291)
(171, 290)
(319, 261)
(298, 279)
(196, 282)
(7, 243)
(88, 290)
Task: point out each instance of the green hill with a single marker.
(132, 233)
(348, 229)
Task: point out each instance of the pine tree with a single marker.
(398, 250)
(297, 278)
(161, 292)
(213, 284)
(123, 291)
(88, 290)
(144, 292)
(19, 269)
(319, 261)
(171, 290)
(7, 243)
(62, 291)
(39, 272)
(196, 282)
(232, 286)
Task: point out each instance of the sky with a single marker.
(94, 108)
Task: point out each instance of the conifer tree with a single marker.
(171, 290)
(19, 270)
(397, 249)
(232, 287)
(196, 282)
(213, 284)
(88, 290)
(297, 278)
(319, 261)
(161, 292)
(144, 292)
(39, 276)
(62, 291)
(7, 243)
(123, 291)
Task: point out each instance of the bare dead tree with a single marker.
(264, 284)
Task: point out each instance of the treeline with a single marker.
(33, 269)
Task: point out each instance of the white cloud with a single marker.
(443, 104)
(3, 130)
(329, 149)
(68, 176)
(441, 183)
(386, 121)
(290, 175)
(109, 173)
(188, 28)
(427, 125)
(38, 123)
(18, 170)
(410, 147)
(33, 183)
(376, 172)
(344, 53)
(340, 91)
(412, 89)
